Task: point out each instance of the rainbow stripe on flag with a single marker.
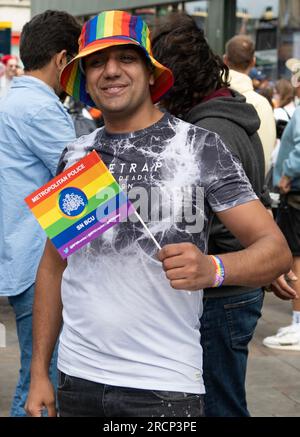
(80, 204)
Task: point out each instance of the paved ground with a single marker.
(273, 381)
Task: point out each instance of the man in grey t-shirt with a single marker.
(130, 344)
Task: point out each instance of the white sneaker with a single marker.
(287, 338)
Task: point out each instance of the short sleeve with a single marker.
(226, 184)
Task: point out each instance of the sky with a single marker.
(254, 7)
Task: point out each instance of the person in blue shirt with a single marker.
(34, 129)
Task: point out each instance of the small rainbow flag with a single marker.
(80, 204)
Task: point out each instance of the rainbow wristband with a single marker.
(220, 271)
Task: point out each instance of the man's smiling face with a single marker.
(118, 80)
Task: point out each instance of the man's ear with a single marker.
(61, 59)
(225, 59)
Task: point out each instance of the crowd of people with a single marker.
(121, 328)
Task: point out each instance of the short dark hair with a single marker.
(47, 34)
(179, 44)
(240, 52)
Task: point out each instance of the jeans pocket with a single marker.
(172, 396)
(242, 317)
(64, 381)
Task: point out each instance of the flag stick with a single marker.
(147, 229)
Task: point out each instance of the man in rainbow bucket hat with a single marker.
(113, 29)
(130, 341)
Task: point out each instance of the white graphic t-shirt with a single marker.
(124, 325)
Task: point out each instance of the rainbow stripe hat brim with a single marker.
(112, 28)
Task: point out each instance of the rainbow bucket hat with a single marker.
(112, 28)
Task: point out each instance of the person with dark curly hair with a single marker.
(201, 96)
(197, 71)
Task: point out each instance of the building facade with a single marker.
(13, 15)
(273, 24)
(221, 13)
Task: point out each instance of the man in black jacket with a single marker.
(201, 96)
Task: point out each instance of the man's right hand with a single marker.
(41, 396)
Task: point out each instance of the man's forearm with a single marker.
(47, 312)
(257, 265)
(47, 321)
(265, 258)
(266, 255)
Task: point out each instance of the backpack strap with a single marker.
(289, 117)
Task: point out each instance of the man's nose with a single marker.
(112, 67)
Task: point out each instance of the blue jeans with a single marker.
(81, 398)
(227, 326)
(22, 306)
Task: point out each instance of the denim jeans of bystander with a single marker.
(227, 326)
(22, 306)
